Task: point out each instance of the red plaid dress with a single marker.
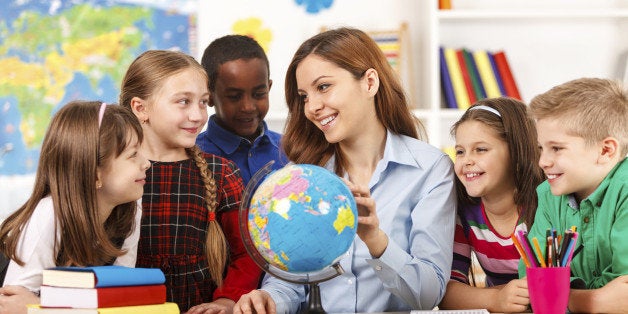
(174, 229)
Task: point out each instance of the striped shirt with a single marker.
(496, 254)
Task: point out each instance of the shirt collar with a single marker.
(395, 151)
(228, 141)
(597, 196)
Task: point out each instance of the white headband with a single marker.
(487, 108)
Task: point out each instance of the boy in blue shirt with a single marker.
(239, 82)
(583, 136)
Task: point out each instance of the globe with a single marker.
(302, 218)
(298, 223)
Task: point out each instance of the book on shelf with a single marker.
(503, 67)
(163, 308)
(460, 91)
(486, 73)
(102, 297)
(101, 276)
(448, 89)
(476, 82)
(498, 78)
(465, 76)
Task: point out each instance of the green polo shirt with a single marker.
(602, 222)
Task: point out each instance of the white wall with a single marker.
(290, 25)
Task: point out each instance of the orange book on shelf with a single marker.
(510, 85)
(486, 73)
(455, 73)
(466, 77)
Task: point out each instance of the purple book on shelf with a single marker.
(498, 76)
(447, 87)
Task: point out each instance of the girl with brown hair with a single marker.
(83, 210)
(191, 199)
(497, 175)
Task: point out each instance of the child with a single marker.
(83, 209)
(188, 195)
(496, 166)
(239, 83)
(348, 113)
(583, 136)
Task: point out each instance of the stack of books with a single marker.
(103, 290)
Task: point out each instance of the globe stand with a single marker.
(314, 305)
(311, 280)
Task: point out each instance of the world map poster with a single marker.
(52, 52)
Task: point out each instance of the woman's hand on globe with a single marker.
(368, 223)
(256, 301)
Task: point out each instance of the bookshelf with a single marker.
(547, 42)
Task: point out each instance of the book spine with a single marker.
(466, 77)
(462, 98)
(111, 276)
(486, 73)
(474, 74)
(448, 89)
(498, 76)
(510, 85)
(131, 295)
(164, 308)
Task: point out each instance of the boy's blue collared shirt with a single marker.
(249, 157)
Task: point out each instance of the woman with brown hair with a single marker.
(349, 114)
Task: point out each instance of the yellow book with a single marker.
(457, 82)
(164, 308)
(486, 74)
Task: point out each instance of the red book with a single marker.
(102, 297)
(501, 62)
(466, 77)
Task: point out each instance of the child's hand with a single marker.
(13, 299)
(612, 297)
(512, 297)
(256, 301)
(219, 306)
(368, 223)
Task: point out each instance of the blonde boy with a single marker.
(583, 136)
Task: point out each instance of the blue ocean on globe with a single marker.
(302, 218)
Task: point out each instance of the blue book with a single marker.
(447, 87)
(101, 276)
(498, 76)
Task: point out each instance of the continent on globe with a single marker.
(302, 218)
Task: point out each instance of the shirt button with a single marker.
(586, 220)
(349, 281)
(250, 154)
(378, 267)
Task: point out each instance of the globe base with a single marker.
(314, 304)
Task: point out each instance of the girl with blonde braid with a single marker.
(191, 199)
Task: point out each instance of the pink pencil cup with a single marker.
(549, 289)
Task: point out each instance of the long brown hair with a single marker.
(354, 51)
(517, 129)
(146, 75)
(72, 150)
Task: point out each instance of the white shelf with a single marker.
(547, 42)
(470, 14)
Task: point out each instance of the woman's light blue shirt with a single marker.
(413, 187)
